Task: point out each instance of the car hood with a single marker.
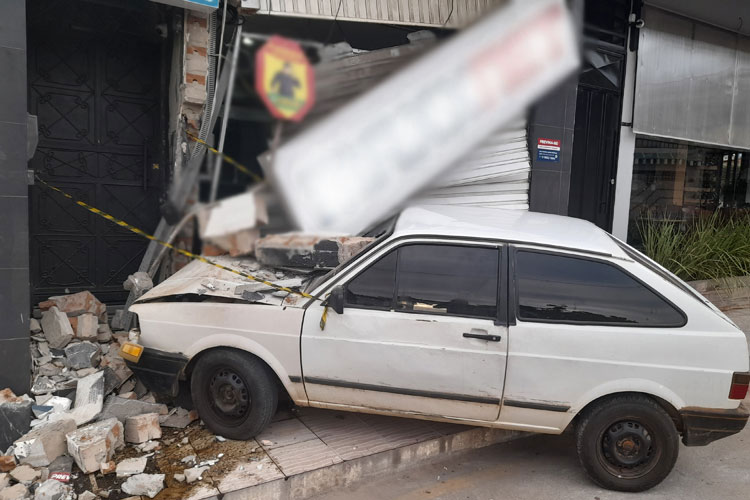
(202, 279)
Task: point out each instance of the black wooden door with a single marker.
(94, 76)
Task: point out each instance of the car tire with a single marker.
(627, 443)
(234, 392)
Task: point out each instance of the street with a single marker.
(541, 467)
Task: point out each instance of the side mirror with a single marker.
(336, 299)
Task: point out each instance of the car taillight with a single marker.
(740, 382)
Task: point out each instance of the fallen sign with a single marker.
(363, 161)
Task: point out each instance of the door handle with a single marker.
(489, 338)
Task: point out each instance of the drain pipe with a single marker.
(225, 118)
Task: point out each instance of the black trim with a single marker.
(295, 379)
(535, 406)
(400, 390)
(159, 371)
(516, 306)
(511, 302)
(702, 426)
(502, 287)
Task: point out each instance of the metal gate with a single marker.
(94, 83)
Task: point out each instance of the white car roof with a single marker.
(507, 225)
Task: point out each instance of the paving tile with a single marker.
(282, 414)
(283, 433)
(345, 433)
(302, 457)
(398, 432)
(249, 473)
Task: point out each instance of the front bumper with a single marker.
(159, 371)
(704, 425)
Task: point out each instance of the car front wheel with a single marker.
(234, 393)
(627, 443)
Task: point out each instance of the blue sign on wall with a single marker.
(548, 149)
(202, 5)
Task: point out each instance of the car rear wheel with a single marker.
(234, 393)
(627, 443)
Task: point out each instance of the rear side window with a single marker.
(564, 289)
(447, 279)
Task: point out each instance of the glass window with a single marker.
(374, 287)
(447, 279)
(569, 289)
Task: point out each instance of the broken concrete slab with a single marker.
(75, 304)
(15, 492)
(52, 489)
(25, 474)
(81, 355)
(178, 418)
(233, 223)
(144, 484)
(95, 443)
(122, 408)
(87, 327)
(43, 385)
(142, 428)
(131, 466)
(308, 251)
(15, 417)
(42, 445)
(89, 398)
(57, 329)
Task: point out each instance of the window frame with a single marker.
(501, 313)
(514, 293)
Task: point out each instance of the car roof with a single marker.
(507, 225)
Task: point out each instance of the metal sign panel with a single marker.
(363, 161)
(284, 79)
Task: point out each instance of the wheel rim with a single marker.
(229, 396)
(628, 449)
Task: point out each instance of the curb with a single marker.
(318, 481)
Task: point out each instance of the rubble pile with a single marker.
(88, 429)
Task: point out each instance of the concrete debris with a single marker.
(142, 428)
(7, 463)
(131, 466)
(129, 395)
(95, 443)
(4, 480)
(179, 418)
(148, 446)
(49, 370)
(56, 327)
(122, 408)
(194, 473)
(180, 478)
(15, 492)
(34, 326)
(60, 469)
(188, 459)
(308, 251)
(82, 355)
(84, 372)
(108, 467)
(144, 484)
(41, 446)
(233, 223)
(25, 474)
(15, 417)
(52, 490)
(89, 398)
(87, 327)
(43, 385)
(86, 495)
(138, 283)
(75, 304)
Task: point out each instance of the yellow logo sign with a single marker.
(284, 79)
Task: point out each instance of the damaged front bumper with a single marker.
(704, 425)
(159, 371)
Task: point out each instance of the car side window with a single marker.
(556, 288)
(374, 287)
(448, 279)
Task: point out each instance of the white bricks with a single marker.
(95, 443)
(44, 444)
(142, 428)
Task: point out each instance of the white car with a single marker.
(486, 317)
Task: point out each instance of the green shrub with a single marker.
(709, 247)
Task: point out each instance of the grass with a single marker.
(711, 246)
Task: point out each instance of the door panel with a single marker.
(401, 355)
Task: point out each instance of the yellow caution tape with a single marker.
(239, 166)
(135, 230)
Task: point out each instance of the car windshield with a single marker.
(379, 231)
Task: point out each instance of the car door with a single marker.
(420, 333)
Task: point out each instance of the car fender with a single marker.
(243, 343)
(644, 386)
